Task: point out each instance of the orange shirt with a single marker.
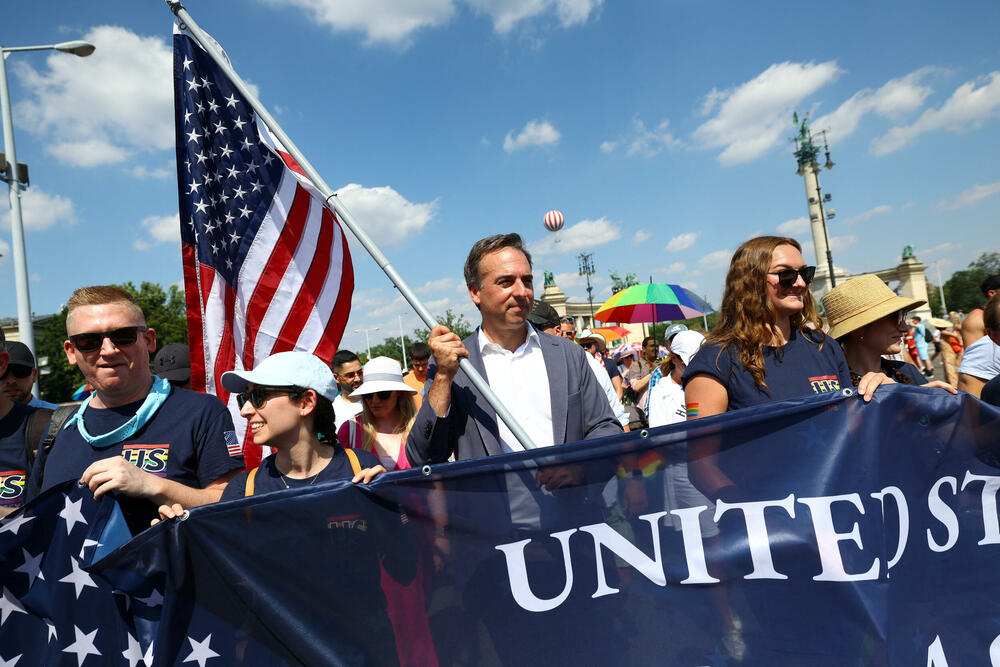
(411, 379)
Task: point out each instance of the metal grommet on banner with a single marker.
(183, 26)
(643, 433)
(426, 470)
(184, 516)
(847, 392)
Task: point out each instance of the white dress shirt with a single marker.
(519, 380)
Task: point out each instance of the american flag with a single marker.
(266, 265)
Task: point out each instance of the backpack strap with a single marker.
(59, 418)
(37, 423)
(355, 464)
(248, 491)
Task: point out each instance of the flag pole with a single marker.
(345, 216)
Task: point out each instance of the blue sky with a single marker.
(660, 129)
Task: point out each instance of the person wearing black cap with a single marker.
(14, 454)
(173, 362)
(20, 376)
(545, 318)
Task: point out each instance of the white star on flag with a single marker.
(155, 599)
(134, 653)
(11, 662)
(52, 631)
(200, 651)
(32, 566)
(78, 578)
(14, 523)
(88, 543)
(83, 646)
(71, 513)
(8, 605)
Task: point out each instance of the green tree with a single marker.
(165, 314)
(458, 324)
(962, 292)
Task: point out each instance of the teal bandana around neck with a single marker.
(154, 399)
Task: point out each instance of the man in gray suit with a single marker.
(545, 381)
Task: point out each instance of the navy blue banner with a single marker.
(821, 531)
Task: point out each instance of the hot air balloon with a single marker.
(554, 221)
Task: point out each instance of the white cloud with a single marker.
(893, 100)
(584, 234)
(102, 109)
(41, 210)
(672, 270)
(382, 21)
(867, 215)
(967, 108)
(439, 285)
(794, 227)
(506, 14)
(682, 241)
(643, 141)
(753, 117)
(716, 260)
(157, 173)
(837, 244)
(641, 236)
(970, 196)
(159, 229)
(4, 251)
(385, 214)
(942, 248)
(534, 133)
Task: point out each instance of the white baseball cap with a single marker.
(686, 344)
(382, 374)
(286, 369)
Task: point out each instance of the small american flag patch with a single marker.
(232, 443)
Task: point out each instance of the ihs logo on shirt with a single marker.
(822, 384)
(349, 521)
(12, 487)
(148, 458)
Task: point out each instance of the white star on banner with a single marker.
(71, 513)
(11, 662)
(89, 543)
(83, 646)
(52, 631)
(32, 566)
(134, 653)
(200, 651)
(79, 578)
(13, 524)
(8, 605)
(155, 599)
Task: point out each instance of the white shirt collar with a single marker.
(485, 345)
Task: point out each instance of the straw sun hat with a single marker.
(860, 301)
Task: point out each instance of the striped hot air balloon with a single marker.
(554, 221)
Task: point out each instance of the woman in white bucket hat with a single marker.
(387, 413)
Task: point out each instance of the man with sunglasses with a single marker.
(21, 375)
(151, 443)
(14, 462)
(347, 370)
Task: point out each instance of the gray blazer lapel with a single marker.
(556, 369)
(488, 429)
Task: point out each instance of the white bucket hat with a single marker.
(686, 344)
(382, 374)
(587, 334)
(286, 369)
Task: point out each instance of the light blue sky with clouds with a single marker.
(662, 130)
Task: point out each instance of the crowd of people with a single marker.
(144, 435)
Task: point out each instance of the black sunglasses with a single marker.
(787, 277)
(20, 372)
(383, 395)
(258, 396)
(88, 342)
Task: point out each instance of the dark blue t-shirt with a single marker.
(190, 440)
(268, 478)
(13, 455)
(903, 371)
(991, 392)
(611, 367)
(799, 368)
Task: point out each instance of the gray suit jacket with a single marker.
(580, 410)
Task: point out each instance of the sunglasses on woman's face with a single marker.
(787, 277)
(258, 396)
(88, 342)
(382, 395)
(20, 372)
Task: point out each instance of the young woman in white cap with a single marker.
(869, 320)
(287, 400)
(387, 413)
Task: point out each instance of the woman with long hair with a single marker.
(387, 414)
(869, 321)
(768, 343)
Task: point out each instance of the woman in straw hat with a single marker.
(868, 320)
(767, 345)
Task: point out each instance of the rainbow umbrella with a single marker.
(653, 302)
(611, 333)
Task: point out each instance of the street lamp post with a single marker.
(368, 343)
(24, 324)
